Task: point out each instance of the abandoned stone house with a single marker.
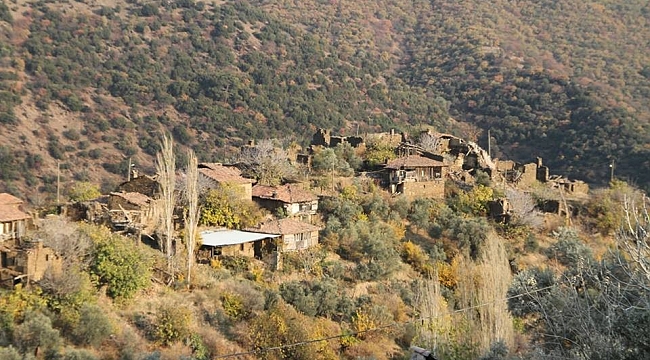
(26, 261)
(21, 261)
(13, 221)
(292, 199)
(294, 235)
(416, 176)
(215, 174)
(128, 209)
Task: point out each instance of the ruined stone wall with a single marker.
(528, 174)
(429, 189)
(245, 249)
(143, 185)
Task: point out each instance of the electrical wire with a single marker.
(382, 327)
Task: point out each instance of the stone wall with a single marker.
(429, 189)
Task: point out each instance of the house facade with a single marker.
(294, 235)
(13, 221)
(293, 200)
(417, 176)
(28, 261)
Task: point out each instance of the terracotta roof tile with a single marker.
(283, 227)
(8, 199)
(413, 161)
(289, 193)
(220, 173)
(133, 197)
(11, 213)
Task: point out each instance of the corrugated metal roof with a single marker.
(231, 237)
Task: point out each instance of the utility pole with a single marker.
(611, 171)
(58, 182)
(128, 175)
(489, 144)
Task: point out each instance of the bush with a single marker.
(36, 332)
(78, 354)
(172, 324)
(233, 306)
(569, 250)
(94, 326)
(10, 353)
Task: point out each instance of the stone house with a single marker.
(294, 235)
(291, 198)
(214, 174)
(13, 221)
(417, 176)
(236, 243)
(28, 261)
(130, 208)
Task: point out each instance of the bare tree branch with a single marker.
(267, 163)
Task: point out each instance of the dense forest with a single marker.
(95, 84)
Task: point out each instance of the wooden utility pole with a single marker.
(611, 171)
(489, 144)
(128, 175)
(58, 182)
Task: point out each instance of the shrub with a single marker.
(78, 354)
(10, 353)
(94, 326)
(233, 305)
(36, 332)
(172, 324)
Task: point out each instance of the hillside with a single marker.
(91, 84)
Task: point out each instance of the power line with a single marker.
(382, 327)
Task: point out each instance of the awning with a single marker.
(231, 237)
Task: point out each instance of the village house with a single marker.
(416, 176)
(21, 261)
(226, 242)
(293, 200)
(215, 174)
(25, 262)
(294, 235)
(13, 221)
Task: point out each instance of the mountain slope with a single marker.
(93, 84)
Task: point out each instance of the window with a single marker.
(241, 247)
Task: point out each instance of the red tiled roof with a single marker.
(289, 193)
(11, 213)
(413, 161)
(8, 199)
(133, 197)
(283, 227)
(224, 174)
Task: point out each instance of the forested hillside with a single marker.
(91, 84)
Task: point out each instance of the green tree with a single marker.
(117, 264)
(84, 191)
(224, 206)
